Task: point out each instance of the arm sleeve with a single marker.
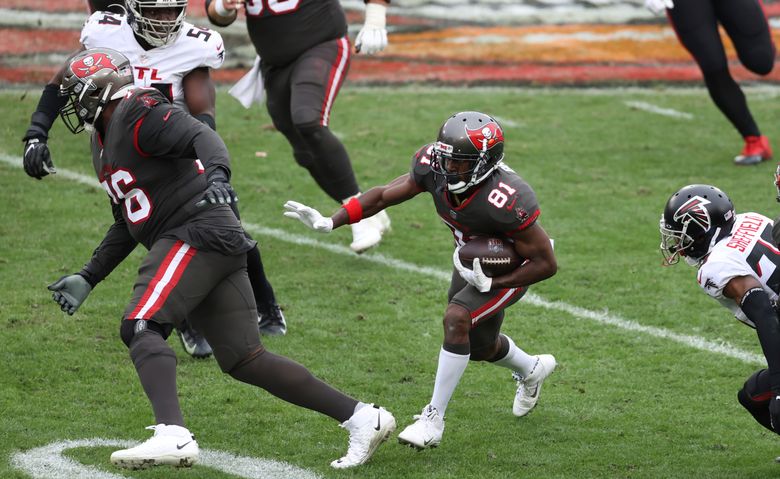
(757, 307)
(115, 247)
(170, 132)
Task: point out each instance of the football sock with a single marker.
(448, 374)
(155, 363)
(292, 382)
(332, 169)
(516, 359)
(261, 288)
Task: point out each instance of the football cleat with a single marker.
(272, 323)
(382, 220)
(193, 342)
(365, 234)
(425, 432)
(369, 427)
(170, 445)
(756, 150)
(529, 388)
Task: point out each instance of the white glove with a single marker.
(658, 6)
(475, 276)
(777, 182)
(308, 216)
(373, 36)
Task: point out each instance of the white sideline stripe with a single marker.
(695, 342)
(48, 462)
(648, 107)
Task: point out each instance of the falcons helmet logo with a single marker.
(694, 210)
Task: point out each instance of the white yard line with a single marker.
(649, 107)
(603, 317)
(48, 462)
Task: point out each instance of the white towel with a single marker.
(249, 89)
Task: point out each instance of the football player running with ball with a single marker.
(168, 178)
(737, 261)
(475, 194)
(175, 57)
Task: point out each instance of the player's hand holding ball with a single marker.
(308, 216)
(475, 276)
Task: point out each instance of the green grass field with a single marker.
(623, 403)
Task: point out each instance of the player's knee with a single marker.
(236, 364)
(457, 322)
(311, 130)
(484, 352)
(303, 158)
(761, 62)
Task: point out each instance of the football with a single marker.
(497, 256)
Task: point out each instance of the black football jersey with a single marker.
(500, 205)
(282, 30)
(148, 165)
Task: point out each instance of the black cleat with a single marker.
(195, 344)
(272, 323)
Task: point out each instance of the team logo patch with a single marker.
(486, 137)
(93, 63)
(694, 210)
(443, 147)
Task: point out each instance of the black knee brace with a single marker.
(128, 328)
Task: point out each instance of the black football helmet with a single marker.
(694, 219)
(93, 78)
(468, 136)
(144, 16)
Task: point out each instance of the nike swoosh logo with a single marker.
(30, 148)
(167, 115)
(378, 423)
(219, 47)
(425, 443)
(178, 446)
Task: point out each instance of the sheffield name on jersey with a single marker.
(748, 251)
(499, 206)
(163, 67)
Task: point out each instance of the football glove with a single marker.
(308, 216)
(475, 276)
(37, 159)
(218, 191)
(372, 38)
(659, 7)
(69, 292)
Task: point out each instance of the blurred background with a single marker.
(454, 42)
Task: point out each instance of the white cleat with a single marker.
(425, 432)
(365, 234)
(529, 388)
(170, 445)
(382, 220)
(368, 428)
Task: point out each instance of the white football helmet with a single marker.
(158, 22)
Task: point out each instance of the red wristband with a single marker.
(354, 210)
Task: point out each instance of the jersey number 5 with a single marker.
(136, 202)
(277, 7)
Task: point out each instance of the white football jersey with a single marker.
(748, 251)
(162, 67)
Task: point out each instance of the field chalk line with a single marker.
(603, 317)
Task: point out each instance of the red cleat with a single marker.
(756, 150)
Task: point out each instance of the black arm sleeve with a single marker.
(170, 132)
(114, 248)
(49, 107)
(757, 307)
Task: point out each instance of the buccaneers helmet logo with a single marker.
(486, 137)
(694, 210)
(91, 64)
